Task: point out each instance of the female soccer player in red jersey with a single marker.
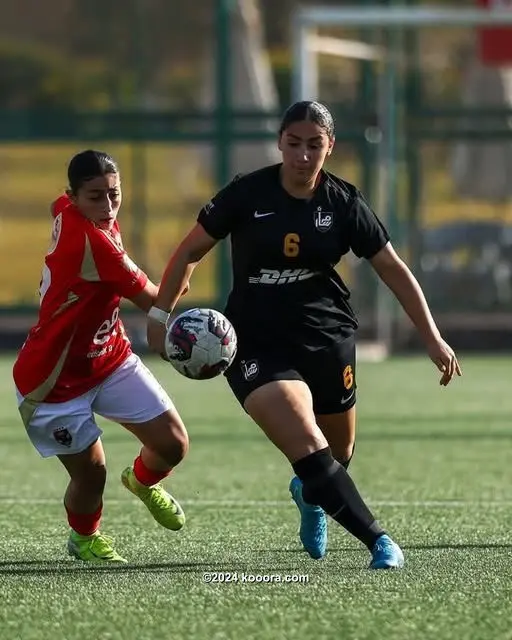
(77, 361)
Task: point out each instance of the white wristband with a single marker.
(159, 315)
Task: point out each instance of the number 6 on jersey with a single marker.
(291, 245)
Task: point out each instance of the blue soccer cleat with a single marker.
(313, 523)
(386, 554)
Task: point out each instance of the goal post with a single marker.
(307, 19)
(388, 52)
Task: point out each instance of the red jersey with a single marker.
(79, 339)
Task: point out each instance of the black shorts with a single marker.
(329, 373)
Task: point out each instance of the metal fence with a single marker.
(452, 211)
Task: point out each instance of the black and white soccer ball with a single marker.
(200, 343)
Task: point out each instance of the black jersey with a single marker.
(284, 253)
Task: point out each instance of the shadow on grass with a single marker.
(462, 546)
(58, 567)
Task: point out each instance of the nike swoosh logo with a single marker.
(345, 400)
(257, 214)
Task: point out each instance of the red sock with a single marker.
(146, 476)
(85, 523)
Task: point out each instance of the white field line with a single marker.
(265, 504)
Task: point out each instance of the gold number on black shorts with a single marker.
(291, 245)
(348, 377)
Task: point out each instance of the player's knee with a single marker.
(178, 448)
(173, 447)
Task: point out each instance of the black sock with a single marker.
(326, 483)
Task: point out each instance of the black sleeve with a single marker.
(367, 233)
(218, 216)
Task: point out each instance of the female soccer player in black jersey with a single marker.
(294, 373)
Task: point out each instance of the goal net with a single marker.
(423, 103)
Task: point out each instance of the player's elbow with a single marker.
(191, 255)
(195, 246)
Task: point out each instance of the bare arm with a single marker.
(393, 271)
(145, 299)
(398, 277)
(175, 282)
(181, 266)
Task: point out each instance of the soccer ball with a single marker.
(200, 343)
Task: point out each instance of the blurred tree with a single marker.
(33, 76)
(121, 40)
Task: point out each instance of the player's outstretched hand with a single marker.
(443, 356)
(156, 337)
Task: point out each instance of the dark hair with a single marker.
(87, 165)
(308, 110)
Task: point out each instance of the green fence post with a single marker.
(413, 102)
(392, 109)
(223, 129)
(138, 152)
(367, 99)
(390, 154)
